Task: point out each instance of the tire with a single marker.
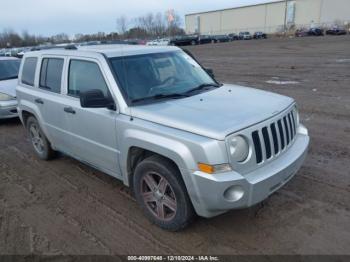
(41, 145)
(167, 205)
(193, 42)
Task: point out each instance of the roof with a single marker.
(2, 58)
(108, 50)
(262, 2)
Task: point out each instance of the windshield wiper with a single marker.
(201, 87)
(159, 97)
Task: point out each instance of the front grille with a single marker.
(274, 138)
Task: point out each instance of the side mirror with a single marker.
(210, 72)
(95, 98)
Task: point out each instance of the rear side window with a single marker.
(51, 74)
(28, 72)
(84, 76)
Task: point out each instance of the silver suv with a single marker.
(154, 118)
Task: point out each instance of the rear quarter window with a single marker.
(28, 72)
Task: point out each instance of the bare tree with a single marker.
(159, 25)
(122, 24)
(174, 26)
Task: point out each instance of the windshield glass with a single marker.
(9, 69)
(165, 74)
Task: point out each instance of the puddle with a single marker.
(281, 82)
(345, 60)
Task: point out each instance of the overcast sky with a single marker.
(47, 17)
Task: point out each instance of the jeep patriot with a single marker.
(156, 119)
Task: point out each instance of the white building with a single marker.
(270, 16)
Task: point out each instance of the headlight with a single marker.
(238, 148)
(5, 97)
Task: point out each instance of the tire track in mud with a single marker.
(85, 196)
(85, 187)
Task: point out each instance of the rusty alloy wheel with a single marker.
(158, 196)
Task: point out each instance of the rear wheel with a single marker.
(160, 191)
(39, 141)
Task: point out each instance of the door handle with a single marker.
(69, 110)
(39, 101)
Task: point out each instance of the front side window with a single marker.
(159, 74)
(51, 74)
(85, 76)
(28, 72)
(9, 69)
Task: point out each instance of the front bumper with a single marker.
(8, 109)
(212, 195)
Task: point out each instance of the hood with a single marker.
(217, 113)
(8, 87)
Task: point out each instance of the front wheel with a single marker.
(39, 141)
(161, 192)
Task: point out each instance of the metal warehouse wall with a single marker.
(333, 10)
(269, 17)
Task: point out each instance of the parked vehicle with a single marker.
(309, 32)
(184, 40)
(259, 35)
(220, 38)
(9, 68)
(151, 43)
(233, 37)
(154, 118)
(205, 39)
(190, 40)
(336, 31)
(245, 36)
(316, 32)
(159, 42)
(22, 51)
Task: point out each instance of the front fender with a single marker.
(172, 149)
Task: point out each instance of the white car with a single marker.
(159, 42)
(151, 43)
(9, 68)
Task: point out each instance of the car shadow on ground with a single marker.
(10, 121)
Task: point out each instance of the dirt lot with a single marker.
(64, 207)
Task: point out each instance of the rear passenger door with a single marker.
(50, 100)
(92, 131)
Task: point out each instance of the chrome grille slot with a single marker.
(267, 142)
(286, 128)
(257, 146)
(274, 138)
(281, 131)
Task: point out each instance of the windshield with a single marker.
(159, 74)
(9, 69)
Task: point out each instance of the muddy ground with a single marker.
(65, 207)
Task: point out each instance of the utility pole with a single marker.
(285, 18)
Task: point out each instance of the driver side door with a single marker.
(93, 131)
